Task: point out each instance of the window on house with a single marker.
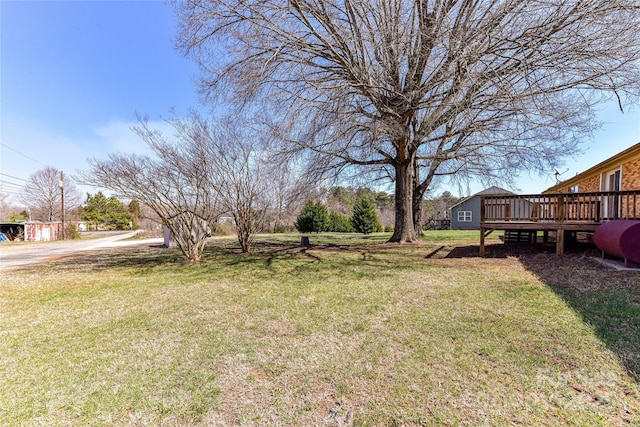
(573, 189)
(464, 216)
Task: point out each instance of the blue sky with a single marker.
(74, 73)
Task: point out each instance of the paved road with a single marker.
(15, 255)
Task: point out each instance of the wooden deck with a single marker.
(555, 212)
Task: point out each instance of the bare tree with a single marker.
(5, 207)
(210, 169)
(419, 89)
(238, 175)
(173, 183)
(42, 194)
(287, 188)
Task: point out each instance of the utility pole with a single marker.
(62, 197)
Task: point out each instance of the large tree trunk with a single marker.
(417, 216)
(417, 195)
(404, 230)
(419, 189)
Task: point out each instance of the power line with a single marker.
(10, 190)
(5, 187)
(23, 155)
(2, 181)
(14, 177)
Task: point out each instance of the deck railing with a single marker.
(595, 207)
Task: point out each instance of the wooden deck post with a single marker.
(560, 241)
(482, 219)
(561, 209)
(560, 231)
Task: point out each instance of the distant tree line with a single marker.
(344, 200)
(42, 197)
(192, 185)
(349, 209)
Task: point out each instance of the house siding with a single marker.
(473, 205)
(585, 185)
(592, 183)
(631, 181)
(631, 175)
(520, 208)
(589, 184)
(628, 161)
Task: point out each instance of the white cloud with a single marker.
(117, 136)
(30, 147)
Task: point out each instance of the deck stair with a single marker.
(519, 236)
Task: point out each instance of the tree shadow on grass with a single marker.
(607, 300)
(149, 258)
(143, 259)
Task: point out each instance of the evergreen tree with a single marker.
(339, 223)
(313, 218)
(136, 213)
(364, 219)
(22, 216)
(108, 212)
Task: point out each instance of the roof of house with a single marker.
(632, 151)
(485, 192)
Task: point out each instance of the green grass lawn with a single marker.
(348, 331)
